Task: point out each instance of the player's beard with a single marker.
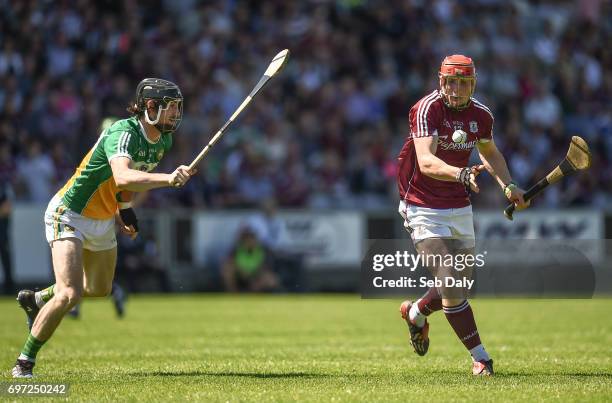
(170, 124)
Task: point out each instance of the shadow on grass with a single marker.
(462, 375)
(522, 374)
(501, 374)
(561, 374)
(259, 375)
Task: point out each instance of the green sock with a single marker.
(43, 296)
(30, 348)
(47, 293)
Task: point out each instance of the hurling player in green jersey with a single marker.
(118, 294)
(80, 219)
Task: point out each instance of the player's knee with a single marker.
(97, 292)
(69, 296)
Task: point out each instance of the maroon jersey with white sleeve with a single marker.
(430, 117)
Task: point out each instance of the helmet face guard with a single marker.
(168, 101)
(457, 81)
(169, 114)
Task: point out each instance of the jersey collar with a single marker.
(144, 133)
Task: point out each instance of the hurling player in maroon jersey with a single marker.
(434, 183)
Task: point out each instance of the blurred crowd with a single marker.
(326, 132)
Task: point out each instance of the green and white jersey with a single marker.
(92, 191)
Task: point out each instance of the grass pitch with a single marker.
(317, 348)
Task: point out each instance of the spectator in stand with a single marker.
(544, 67)
(6, 199)
(37, 172)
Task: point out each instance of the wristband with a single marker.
(508, 189)
(124, 205)
(463, 176)
(129, 217)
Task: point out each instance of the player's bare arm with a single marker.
(434, 167)
(133, 180)
(495, 163)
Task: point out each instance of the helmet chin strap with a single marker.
(153, 122)
(161, 127)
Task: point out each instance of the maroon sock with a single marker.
(461, 318)
(430, 302)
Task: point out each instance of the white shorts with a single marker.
(422, 223)
(62, 223)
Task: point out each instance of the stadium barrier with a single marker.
(190, 245)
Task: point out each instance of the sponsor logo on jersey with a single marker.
(457, 146)
(141, 153)
(473, 126)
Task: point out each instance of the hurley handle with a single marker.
(531, 192)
